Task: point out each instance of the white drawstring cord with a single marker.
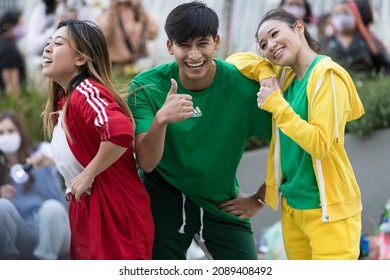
(201, 226)
(183, 213)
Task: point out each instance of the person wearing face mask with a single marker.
(302, 10)
(353, 44)
(12, 64)
(34, 222)
(325, 28)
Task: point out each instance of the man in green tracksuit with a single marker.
(193, 119)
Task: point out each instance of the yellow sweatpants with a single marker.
(306, 237)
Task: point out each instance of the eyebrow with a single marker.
(59, 36)
(268, 32)
(62, 37)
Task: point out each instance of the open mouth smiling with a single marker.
(46, 60)
(195, 65)
(276, 54)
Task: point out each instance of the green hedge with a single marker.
(30, 106)
(375, 96)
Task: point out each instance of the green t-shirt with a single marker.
(299, 185)
(202, 153)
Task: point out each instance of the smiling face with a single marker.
(280, 42)
(195, 61)
(60, 60)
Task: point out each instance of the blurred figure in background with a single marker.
(353, 44)
(34, 222)
(302, 9)
(41, 24)
(127, 27)
(325, 29)
(78, 9)
(12, 66)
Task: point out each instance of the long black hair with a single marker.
(290, 19)
(191, 20)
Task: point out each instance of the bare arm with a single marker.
(150, 145)
(107, 154)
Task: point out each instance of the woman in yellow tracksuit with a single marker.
(308, 170)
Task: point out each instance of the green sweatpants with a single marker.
(224, 239)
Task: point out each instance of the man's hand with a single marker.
(177, 107)
(244, 206)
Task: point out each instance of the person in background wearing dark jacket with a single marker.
(12, 64)
(353, 44)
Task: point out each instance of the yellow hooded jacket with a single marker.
(322, 136)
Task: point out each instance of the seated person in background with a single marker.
(127, 27)
(34, 222)
(353, 44)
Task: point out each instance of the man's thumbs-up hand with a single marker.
(173, 89)
(177, 107)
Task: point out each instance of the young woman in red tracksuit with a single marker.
(92, 134)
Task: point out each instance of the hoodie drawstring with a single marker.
(183, 213)
(321, 182)
(201, 226)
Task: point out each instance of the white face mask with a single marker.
(343, 22)
(296, 10)
(10, 143)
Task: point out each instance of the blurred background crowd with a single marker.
(353, 33)
(346, 29)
